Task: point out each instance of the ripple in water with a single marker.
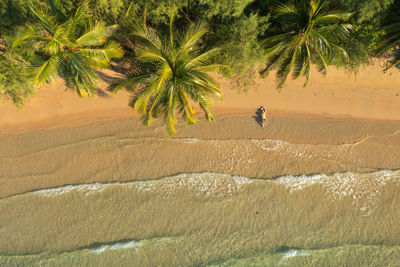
(364, 188)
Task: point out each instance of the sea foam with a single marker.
(206, 183)
(363, 188)
(293, 253)
(122, 245)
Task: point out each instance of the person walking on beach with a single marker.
(263, 116)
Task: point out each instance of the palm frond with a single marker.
(273, 41)
(75, 60)
(147, 35)
(46, 72)
(274, 60)
(42, 18)
(101, 57)
(56, 43)
(300, 63)
(83, 75)
(151, 55)
(160, 96)
(80, 14)
(329, 18)
(176, 72)
(203, 58)
(204, 81)
(170, 116)
(128, 82)
(24, 35)
(193, 35)
(307, 67)
(205, 103)
(285, 68)
(186, 109)
(310, 34)
(285, 9)
(96, 34)
(53, 6)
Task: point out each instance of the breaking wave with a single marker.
(363, 188)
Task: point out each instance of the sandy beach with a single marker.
(337, 113)
(312, 181)
(324, 173)
(369, 94)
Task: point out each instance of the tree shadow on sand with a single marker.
(108, 79)
(102, 93)
(105, 77)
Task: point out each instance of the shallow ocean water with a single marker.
(107, 195)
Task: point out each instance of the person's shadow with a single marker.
(257, 117)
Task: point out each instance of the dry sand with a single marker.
(369, 94)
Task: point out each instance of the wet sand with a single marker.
(123, 150)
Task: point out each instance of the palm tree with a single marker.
(390, 41)
(173, 77)
(310, 34)
(70, 48)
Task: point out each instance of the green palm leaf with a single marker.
(47, 71)
(71, 48)
(96, 34)
(312, 35)
(174, 76)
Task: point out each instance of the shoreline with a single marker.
(79, 119)
(369, 95)
(124, 150)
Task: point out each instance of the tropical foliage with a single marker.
(310, 35)
(391, 42)
(391, 39)
(173, 77)
(14, 85)
(72, 49)
(71, 39)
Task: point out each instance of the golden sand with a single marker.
(368, 94)
(83, 183)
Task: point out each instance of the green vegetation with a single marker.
(71, 49)
(14, 83)
(391, 40)
(309, 35)
(72, 38)
(175, 75)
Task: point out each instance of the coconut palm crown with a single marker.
(71, 48)
(174, 77)
(310, 34)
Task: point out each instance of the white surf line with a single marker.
(205, 182)
(294, 253)
(298, 182)
(109, 246)
(341, 184)
(364, 189)
(121, 245)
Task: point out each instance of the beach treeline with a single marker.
(163, 49)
